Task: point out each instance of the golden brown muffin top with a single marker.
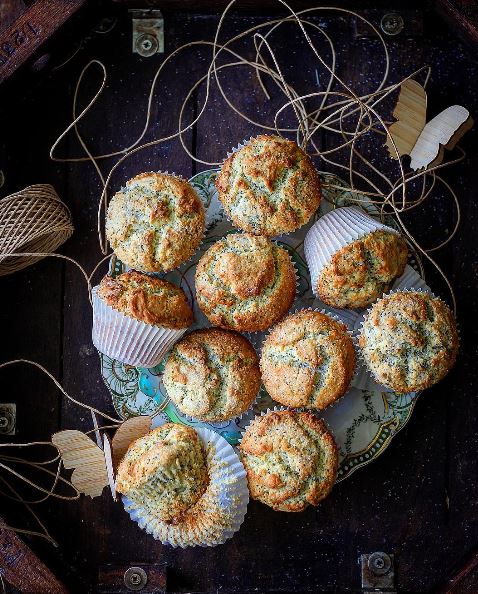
(165, 471)
(245, 282)
(212, 374)
(307, 360)
(269, 187)
(156, 222)
(409, 340)
(290, 458)
(147, 298)
(362, 271)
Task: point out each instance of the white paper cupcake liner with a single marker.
(334, 231)
(218, 514)
(129, 340)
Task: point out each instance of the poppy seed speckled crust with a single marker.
(149, 299)
(308, 360)
(290, 458)
(155, 223)
(164, 472)
(362, 271)
(409, 341)
(245, 282)
(212, 374)
(269, 187)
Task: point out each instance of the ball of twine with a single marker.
(32, 220)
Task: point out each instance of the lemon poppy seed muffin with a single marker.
(155, 223)
(212, 374)
(362, 271)
(164, 472)
(307, 360)
(146, 298)
(290, 458)
(409, 340)
(245, 282)
(269, 186)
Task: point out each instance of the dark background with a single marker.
(419, 500)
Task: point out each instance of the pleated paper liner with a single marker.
(218, 514)
(127, 339)
(334, 231)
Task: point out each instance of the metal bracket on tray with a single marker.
(378, 573)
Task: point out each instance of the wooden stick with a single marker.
(31, 30)
(21, 569)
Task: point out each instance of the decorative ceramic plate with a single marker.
(363, 421)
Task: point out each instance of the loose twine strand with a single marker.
(337, 109)
(6, 462)
(347, 116)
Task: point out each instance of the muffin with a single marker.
(200, 510)
(156, 222)
(353, 259)
(269, 186)
(290, 458)
(307, 360)
(137, 318)
(212, 375)
(164, 472)
(245, 283)
(409, 341)
(147, 298)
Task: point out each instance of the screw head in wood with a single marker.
(135, 578)
(146, 45)
(8, 413)
(379, 563)
(392, 23)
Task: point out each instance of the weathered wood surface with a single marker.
(417, 501)
(30, 30)
(22, 569)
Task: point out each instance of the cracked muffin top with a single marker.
(146, 298)
(307, 360)
(212, 374)
(269, 186)
(362, 271)
(155, 223)
(245, 282)
(290, 458)
(165, 471)
(409, 340)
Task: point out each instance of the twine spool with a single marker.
(32, 220)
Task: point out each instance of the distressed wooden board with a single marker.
(418, 501)
(21, 568)
(30, 30)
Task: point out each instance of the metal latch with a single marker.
(378, 573)
(8, 418)
(146, 578)
(148, 32)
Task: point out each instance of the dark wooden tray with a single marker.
(418, 501)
